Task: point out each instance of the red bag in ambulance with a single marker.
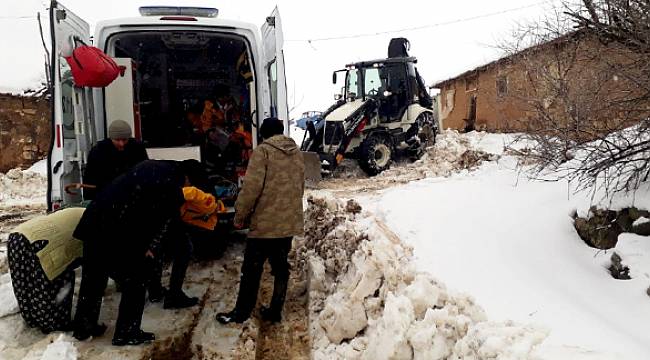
(92, 67)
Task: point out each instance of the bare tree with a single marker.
(585, 83)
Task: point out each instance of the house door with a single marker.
(470, 121)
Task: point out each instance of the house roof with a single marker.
(558, 40)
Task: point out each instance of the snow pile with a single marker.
(61, 349)
(499, 341)
(8, 303)
(640, 221)
(375, 305)
(499, 234)
(450, 154)
(330, 234)
(18, 187)
(634, 251)
(453, 152)
(39, 167)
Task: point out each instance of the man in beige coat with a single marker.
(271, 199)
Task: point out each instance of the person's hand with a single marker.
(149, 254)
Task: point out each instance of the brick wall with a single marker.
(507, 91)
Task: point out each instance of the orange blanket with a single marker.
(200, 208)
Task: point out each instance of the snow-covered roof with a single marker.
(22, 66)
(507, 57)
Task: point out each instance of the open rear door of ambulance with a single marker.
(274, 67)
(72, 110)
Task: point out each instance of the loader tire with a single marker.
(376, 155)
(426, 133)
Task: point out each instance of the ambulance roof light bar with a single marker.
(178, 11)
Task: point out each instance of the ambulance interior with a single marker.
(193, 88)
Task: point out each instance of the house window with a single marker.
(471, 82)
(449, 100)
(502, 86)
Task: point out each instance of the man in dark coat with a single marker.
(120, 229)
(112, 157)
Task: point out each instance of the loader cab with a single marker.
(391, 82)
(194, 84)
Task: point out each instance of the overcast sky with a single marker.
(447, 37)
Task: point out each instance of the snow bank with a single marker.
(634, 251)
(509, 240)
(18, 187)
(8, 303)
(39, 167)
(442, 159)
(367, 301)
(62, 348)
(452, 153)
(640, 221)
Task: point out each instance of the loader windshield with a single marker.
(352, 88)
(372, 81)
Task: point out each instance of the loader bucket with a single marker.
(312, 166)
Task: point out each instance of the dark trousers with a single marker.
(257, 252)
(180, 252)
(94, 277)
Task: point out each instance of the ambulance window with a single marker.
(67, 107)
(273, 85)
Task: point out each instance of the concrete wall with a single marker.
(24, 130)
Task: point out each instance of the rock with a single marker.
(641, 226)
(473, 158)
(624, 220)
(635, 213)
(353, 207)
(601, 229)
(617, 269)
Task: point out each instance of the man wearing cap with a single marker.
(112, 157)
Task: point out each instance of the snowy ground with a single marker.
(22, 196)
(457, 256)
(509, 241)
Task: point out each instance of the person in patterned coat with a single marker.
(42, 255)
(271, 201)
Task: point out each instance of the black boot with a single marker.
(84, 332)
(271, 315)
(178, 300)
(157, 293)
(136, 338)
(232, 316)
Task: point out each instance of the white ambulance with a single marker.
(176, 59)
